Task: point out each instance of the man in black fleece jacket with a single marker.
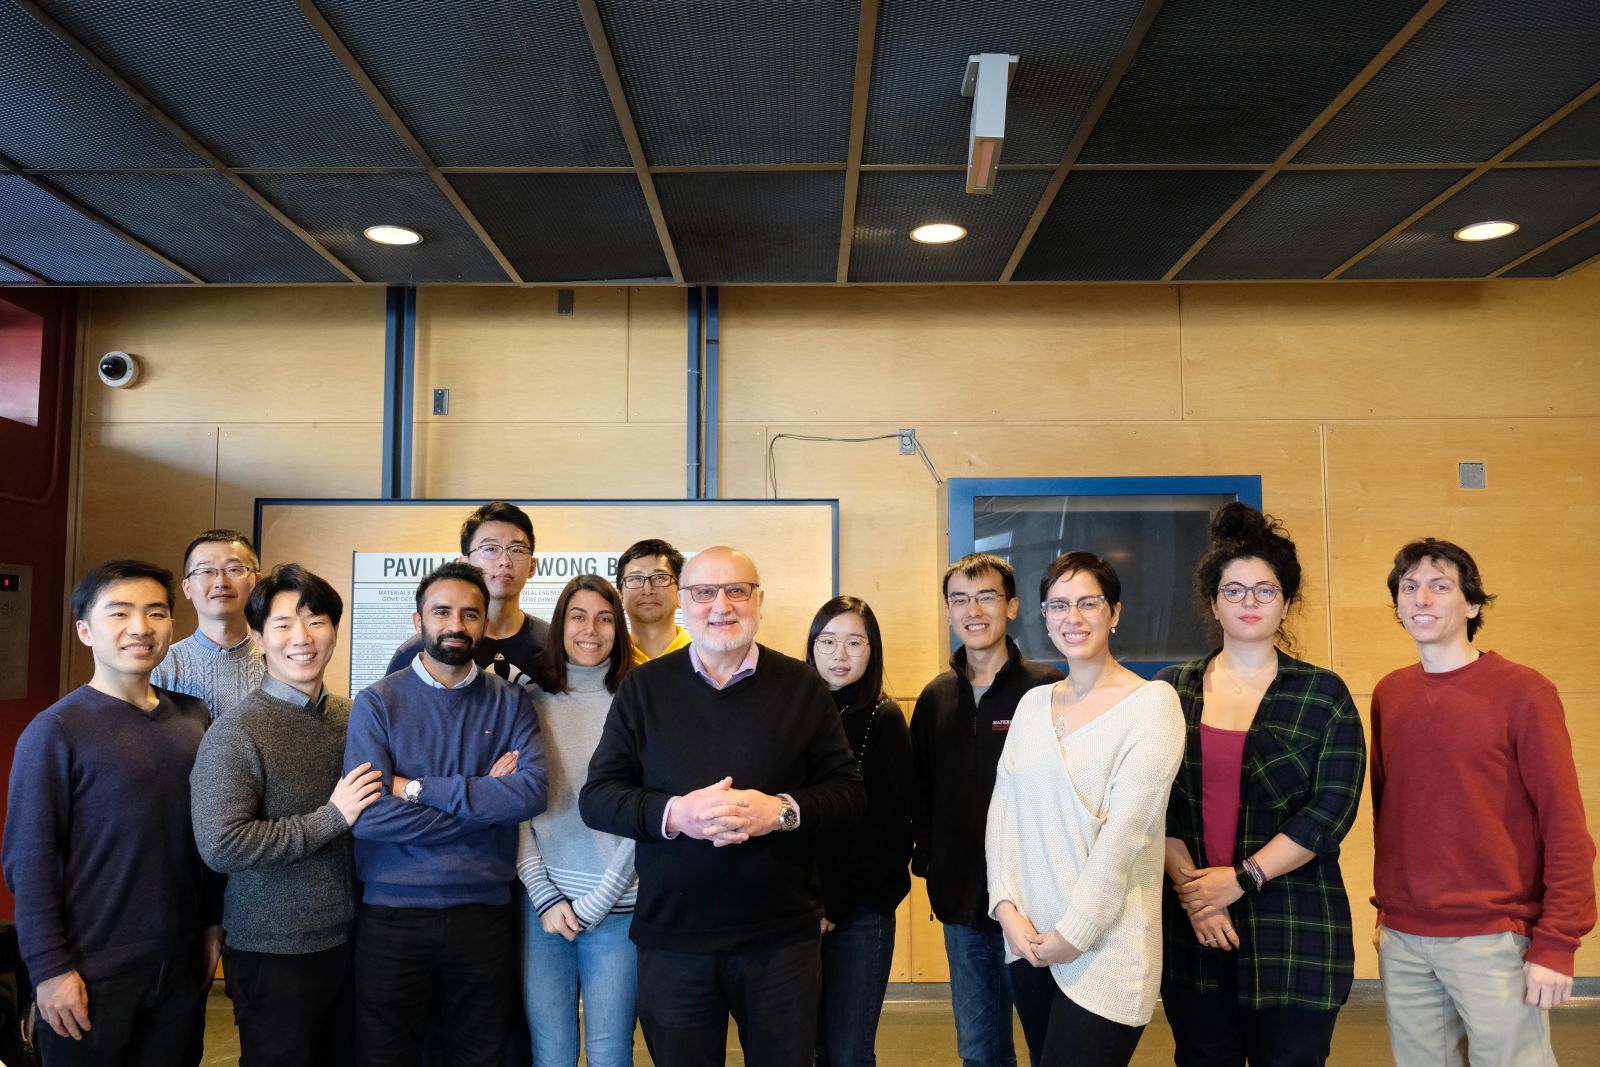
(723, 760)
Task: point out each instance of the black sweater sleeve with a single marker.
(923, 781)
(614, 799)
(869, 867)
(831, 795)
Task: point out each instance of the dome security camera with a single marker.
(119, 370)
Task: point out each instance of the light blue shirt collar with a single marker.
(422, 672)
(211, 646)
(746, 668)
(287, 693)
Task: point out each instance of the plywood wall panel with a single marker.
(294, 460)
(238, 355)
(527, 459)
(658, 353)
(900, 355)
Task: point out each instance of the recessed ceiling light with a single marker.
(391, 235)
(1486, 231)
(938, 233)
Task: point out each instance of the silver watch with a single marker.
(788, 815)
(414, 791)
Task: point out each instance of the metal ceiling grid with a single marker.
(1479, 75)
(1127, 225)
(204, 223)
(251, 79)
(40, 233)
(1305, 224)
(1574, 252)
(42, 81)
(1575, 137)
(728, 82)
(1237, 81)
(335, 208)
(891, 203)
(1545, 202)
(568, 227)
(916, 114)
(754, 227)
(516, 85)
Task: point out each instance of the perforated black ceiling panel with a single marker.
(729, 81)
(42, 79)
(39, 232)
(517, 85)
(567, 227)
(1573, 252)
(916, 113)
(1127, 225)
(204, 223)
(1236, 81)
(1304, 225)
(11, 277)
(250, 79)
(1478, 75)
(1544, 202)
(1575, 137)
(890, 204)
(758, 227)
(335, 208)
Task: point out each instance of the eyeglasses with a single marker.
(1265, 592)
(1086, 605)
(735, 591)
(234, 571)
(660, 579)
(491, 551)
(854, 647)
(987, 598)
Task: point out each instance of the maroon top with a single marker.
(1221, 761)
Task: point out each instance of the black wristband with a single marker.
(1246, 881)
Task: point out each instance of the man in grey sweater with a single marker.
(272, 811)
(220, 662)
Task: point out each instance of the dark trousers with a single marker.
(293, 1009)
(856, 956)
(1213, 1030)
(685, 999)
(461, 960)
(145, 1018)
(1059, 1031)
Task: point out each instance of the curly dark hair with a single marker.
(1406, 560)
(1240, 531)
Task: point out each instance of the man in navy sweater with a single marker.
(724, 760)
(117, 918)
(460, 753)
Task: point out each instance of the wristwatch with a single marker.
(414, 791)
(788, 815)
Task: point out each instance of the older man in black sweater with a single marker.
(723, 760)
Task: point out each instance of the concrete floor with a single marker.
(917, 1031)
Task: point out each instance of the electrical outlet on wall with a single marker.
(908, 441)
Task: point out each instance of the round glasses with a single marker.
(734, 591)
(854, 647)
(1265, 592)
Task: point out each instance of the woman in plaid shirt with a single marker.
(1259, 953)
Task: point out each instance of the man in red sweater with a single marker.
(1483, 867)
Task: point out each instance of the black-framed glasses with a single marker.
(854, 647)
(234, 571)
(734, 591)
(1265, 592)
(660, 579)
(491, 551)
(1087, 606)
(987, 598)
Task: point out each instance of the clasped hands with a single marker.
(1039, 950)
(1205, 894)
(724, 815)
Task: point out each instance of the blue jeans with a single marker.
(980, 996)
(855, 972)
(602, 964)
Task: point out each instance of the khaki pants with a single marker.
(1452, 1001)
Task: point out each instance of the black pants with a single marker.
(408, 960)
(145, 1018)
(771, 991)
(1059, 1031)
(1212, 1030)
(293, 1009)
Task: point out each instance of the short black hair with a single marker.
(550, 670)
(454, 571)
(1069, 563)
(650, 548)
(872, 678)
(315, 594)
(1409, 556)
(975, 563)
(219, 536)
(94, 581)
(495, 511)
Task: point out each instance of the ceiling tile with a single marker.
(758, 227)
(890, 204)
(39, 232)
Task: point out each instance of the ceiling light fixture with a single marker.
(391, 235)
(1487, 231)
(987, 81)
(938, 233)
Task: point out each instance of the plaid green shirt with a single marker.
(1304, 761)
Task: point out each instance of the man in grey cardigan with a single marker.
(272, 811)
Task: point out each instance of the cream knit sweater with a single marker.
(1075, 839)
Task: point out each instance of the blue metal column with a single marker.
(713, 380)
(399, 387)
(693, 408)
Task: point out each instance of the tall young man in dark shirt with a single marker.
(958, 729)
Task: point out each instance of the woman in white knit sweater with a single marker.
(1076, 830)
